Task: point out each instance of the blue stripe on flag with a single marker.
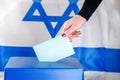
(8, 51)
(97, 59)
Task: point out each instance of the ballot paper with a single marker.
(54, 49)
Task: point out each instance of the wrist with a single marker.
(82, 18)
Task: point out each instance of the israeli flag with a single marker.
(25, 23)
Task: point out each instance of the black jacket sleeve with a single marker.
(88, 8)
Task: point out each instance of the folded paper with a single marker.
(54, 49)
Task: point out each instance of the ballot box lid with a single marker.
(32, 62)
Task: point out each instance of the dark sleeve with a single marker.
(88, 8)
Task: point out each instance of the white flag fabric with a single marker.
(25, 23)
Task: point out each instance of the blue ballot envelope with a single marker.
(29, 68)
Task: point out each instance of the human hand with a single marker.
(72, 26)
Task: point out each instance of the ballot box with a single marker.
(29, 68)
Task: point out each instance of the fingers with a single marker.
(71, 30)
(67, 25)
(74, 35)
(72, 26)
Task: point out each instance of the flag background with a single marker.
(97, 48)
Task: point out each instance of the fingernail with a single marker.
(63, 35)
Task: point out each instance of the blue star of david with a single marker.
(43, 17)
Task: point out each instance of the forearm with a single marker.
(88, 8)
